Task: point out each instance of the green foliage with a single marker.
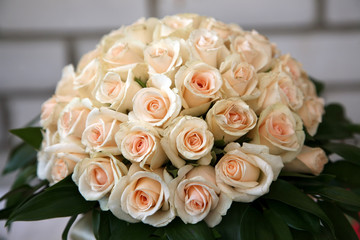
(30, 135)
(140, 82)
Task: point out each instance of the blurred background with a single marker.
(39, 37)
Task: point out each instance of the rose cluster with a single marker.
(140, 120)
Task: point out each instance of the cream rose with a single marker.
(101, 126)
(111, 89)
(256, 49)
(188, 138)
(246, 173)
(118, 51)
(289, 65)
(97, 176)
(229, 119)
(163, 56)
(311, 114)
(309, 160)
(139, 142)
(71, 123)
(198, 85)
(65, 88)
(143, 196)
(278, 87)
(56, 161)
(207, 46)
(50, 111)
(281, 130)
(223, 30)
(157, 104)
(43, 157)
(175, 26)
(142, 30)
(240, 79)
(197, 197)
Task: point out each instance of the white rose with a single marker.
(97, 176)
(86, 80)
(207, 46)
(99, 133)
(139, 142)
(43, 157)
(245, 173)
(142, 30)
(50, 111)
(174, 26)
(157, 104)
(256, 49)
(65, 87)
(143, 196)
(188, 138)
(309, 160)
(198, 84)
(197, 197)
(240, 79)
(281, 130)
(231, 118)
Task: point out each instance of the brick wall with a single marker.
(39, 37)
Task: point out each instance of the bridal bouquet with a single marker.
(188, 128)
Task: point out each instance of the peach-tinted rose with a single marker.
(71, 123)
(50, 111)
(157, 104)
(142, 30)
(198, 85)
(140, 142)
(99, 133)
(309, 160)
(229, 119)
(97, 176)
(281, 130)
(278, 87)
(245, 173)
(240, 79)
(207, 46)
(197, 197)
(289, 65)
(86, 59)
(143, 196)
(56, 161)
(163, 56)
(86, 80)
(256, 49)
(311, 114)
(188, 138)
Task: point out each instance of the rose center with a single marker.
(193, 141)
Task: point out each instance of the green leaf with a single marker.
(19, 157)
(6, 212)
(101, 224)
(229, 227)
(30, 135)
(141, 83)
(220, 143)
(334, 124)
(177, 230)
(343, 229)
(348, 152)
(65, 233)
(280, 229)
(253, 226)
(128, 231)
(345, 172)
(283, 191)
(25, 176)
(294, 217)
(318, 85)
(60, 200)
(340, 195)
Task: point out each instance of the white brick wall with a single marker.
(247, 13)
(68, 15)
(344, 11)
(30, 64)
